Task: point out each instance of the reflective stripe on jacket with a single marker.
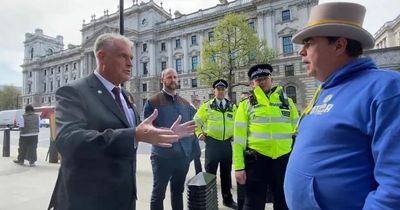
(265, 127)
(214, 122)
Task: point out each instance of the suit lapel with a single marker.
(105, 97)
(129, 99)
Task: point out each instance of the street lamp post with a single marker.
(121, 17)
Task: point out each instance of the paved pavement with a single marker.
(24, 187)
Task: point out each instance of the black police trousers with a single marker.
(220, 153)
(260, 173)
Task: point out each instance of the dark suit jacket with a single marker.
(97, 147)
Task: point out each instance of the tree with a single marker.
(10, 98)
(235, 46)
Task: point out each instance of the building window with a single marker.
(145, 71)
(29, 88)
(163, 65)
(66, 67)
(194, 40)
(59, 69)
(144, 87)
(287, 45)
(30, 74)
(42, 100)
(291, 93)
(195, 62)
(27, 101)
(31, 55)
(285, 15)
(49, 99)
(194, 83)
(74, 65)
(74, 78)
(58, 83)
(178, 65)
(44, 87)
(45, 72)
(51, 86)
(177, 43)
(289, 70)
(179, 85)
(144, 47)
(66, 81)
(252, 25)
(163, 48)
(211, 36)
(51, 71)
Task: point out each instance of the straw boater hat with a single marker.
(337, 19)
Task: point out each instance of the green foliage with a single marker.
(235, 46)
(10, 98)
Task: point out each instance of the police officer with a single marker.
(263, 131)
(214, 122)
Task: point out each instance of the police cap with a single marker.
(259, 70)
(220, 83)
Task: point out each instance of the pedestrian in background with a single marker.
(28, 136)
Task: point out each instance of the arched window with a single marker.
(31, 53)
(291, 93)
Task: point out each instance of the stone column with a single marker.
(170, 48)
(152, 58)
(260, 26)
(185, 45)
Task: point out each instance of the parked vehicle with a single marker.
(9, 118)
(45, 123)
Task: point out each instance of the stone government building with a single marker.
(162, 40)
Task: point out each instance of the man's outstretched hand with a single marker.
(163, 137)
(183, 130)
(146, 132)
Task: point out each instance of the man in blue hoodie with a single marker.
(346, 155)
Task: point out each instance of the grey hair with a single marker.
(106, 41)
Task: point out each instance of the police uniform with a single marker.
(215, 120)
(263, 131)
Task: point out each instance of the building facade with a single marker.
(162, 40)
(388, 35)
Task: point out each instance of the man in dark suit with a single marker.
(98, 131)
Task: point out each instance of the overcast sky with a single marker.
(64, 17)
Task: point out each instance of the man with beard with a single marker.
(170, 164)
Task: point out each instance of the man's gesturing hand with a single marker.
(183, 130)
(146, 132)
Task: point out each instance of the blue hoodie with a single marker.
(347, 152)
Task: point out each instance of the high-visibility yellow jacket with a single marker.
(265, 126)
(213, 121)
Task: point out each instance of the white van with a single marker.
(9, 118)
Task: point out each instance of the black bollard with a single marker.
(202, 192)
(6, 143)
